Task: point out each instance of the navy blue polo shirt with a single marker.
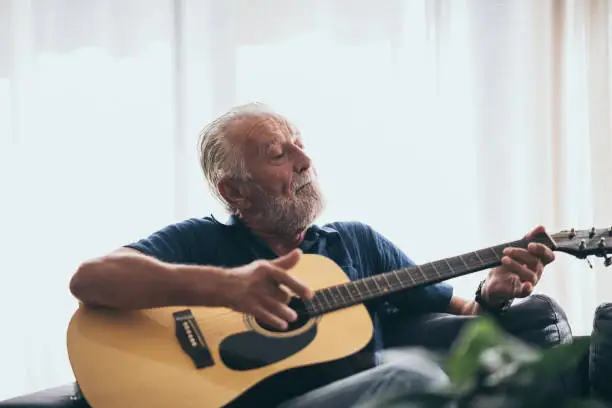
(355, 247)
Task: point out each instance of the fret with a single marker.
(327, 297)
(406, 271)
(358, 297)
(404, 277)
(418, 268)
(371, 289)
(351, 287)
(495, 255)
(451, 271)
(479, 258)
(472, 260)
(317, 303)
(444, 268)
(378, 288)
(486, 256)
(456, 264)
(310, 306)
(430, 271)
(380, 279)
(499, 250)
(338, 296)
(363, 289)
(397, 276)
(433, 266)
(463, 260)
(387, 283)
(348, 293)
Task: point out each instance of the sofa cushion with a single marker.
(600, 357)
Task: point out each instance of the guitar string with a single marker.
(313, 311)
(310, 308)
(361, 297)
(372, 292)
(442, 269)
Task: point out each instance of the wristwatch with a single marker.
(484, 305)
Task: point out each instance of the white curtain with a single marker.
(447, 125)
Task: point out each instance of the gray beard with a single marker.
(287, 215)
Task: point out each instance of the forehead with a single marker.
(262, 130)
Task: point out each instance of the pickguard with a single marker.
(250, 350)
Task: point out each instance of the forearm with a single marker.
(129, 280)
(464, 307)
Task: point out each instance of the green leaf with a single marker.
(464, 362)
(503, 364)
(561, 358)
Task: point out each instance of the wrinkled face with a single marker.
(282, 189)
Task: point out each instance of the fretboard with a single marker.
(381, 285)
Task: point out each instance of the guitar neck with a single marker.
(384, 284)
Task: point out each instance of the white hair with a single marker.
(219, 158)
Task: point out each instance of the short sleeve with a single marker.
(172, 243)
(431, 298)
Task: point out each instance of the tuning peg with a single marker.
(582, 245)
(589, 262)
(610, 232)
(572, 233)
(602, 243)
(607, 261)
(592, 232)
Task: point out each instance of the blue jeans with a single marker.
(401, 371)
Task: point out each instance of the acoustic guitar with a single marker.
(183, 357)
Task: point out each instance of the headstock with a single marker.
(583, 243)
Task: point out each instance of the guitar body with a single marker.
(132, 359)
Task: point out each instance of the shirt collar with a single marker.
(234, 221)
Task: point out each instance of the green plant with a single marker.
(488, 368)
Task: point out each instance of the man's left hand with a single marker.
(520, 271)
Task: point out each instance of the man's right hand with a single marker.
(256, 289)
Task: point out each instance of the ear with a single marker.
(232, 193)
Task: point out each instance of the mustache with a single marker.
(302, 179)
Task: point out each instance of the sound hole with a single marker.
(303, 317)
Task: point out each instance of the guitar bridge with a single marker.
(191, 339)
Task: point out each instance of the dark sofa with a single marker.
(539, 321)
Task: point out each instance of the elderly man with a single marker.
(255, 162)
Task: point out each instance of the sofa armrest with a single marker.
(600, 363)
(65, 396)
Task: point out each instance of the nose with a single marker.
(301, 161)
